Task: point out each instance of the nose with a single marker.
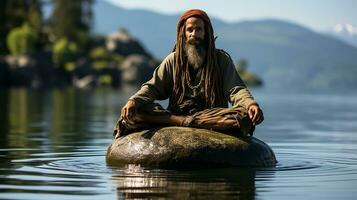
(194, 33)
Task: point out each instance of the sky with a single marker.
(319, 15)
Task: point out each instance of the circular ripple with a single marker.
(321, 163)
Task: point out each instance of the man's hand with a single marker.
(255, 114)
(129, 110)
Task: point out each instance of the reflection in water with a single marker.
(4, 121)
(69, 115)
(23, 110)
(39, 129)
(32, 117)
(135, 182)
(53, 145)
(16, 115)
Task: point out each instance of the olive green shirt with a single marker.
(160, 86)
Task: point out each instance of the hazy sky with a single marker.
(320, 15)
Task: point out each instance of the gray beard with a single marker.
(196, 55)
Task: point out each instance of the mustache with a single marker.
(195, 40)
(199, 45)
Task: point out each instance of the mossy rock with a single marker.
(186, 147)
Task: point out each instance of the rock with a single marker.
(22, 70)
(123, 43)
(31, 70)
(4, 72)
(136, 69)
(44, 68)
(186, 147)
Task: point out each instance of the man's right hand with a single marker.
(129, 110)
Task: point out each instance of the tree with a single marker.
(64, 54)
(248, 77)
(21, 40)
(14, 13)
(69, 18)
(241, 66)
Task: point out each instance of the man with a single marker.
(199, 80)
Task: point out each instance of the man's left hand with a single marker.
(255, 114)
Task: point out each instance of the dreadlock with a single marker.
(212, 79)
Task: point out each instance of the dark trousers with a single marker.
(234, 121)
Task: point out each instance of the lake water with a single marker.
(53, 145)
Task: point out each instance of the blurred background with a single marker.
(86, 43)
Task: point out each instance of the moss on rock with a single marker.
(181, 147)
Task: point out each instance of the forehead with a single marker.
(194, 21)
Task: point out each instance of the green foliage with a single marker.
(99, 65)
(71, 17)
(21, 39)
(84, 40)
(101, 58)
(119, 59)
(34, 16)
(99, 53)
(241, 66)
(14, 13)
(123, 31)
(64, 54)
(248, 77)
(105, 79)
(70, 66)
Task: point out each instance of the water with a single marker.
(53, 146)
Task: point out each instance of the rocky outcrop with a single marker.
(136, 69)
(22, 70)
(185, 147)
(4, 72)
(33, 70)
(124, 44)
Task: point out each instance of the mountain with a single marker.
(284, 54)
(345, 32)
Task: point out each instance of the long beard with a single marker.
(196, 54)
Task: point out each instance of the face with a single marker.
(195, 30)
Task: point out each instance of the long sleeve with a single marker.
(159, 87)
(234, 88)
